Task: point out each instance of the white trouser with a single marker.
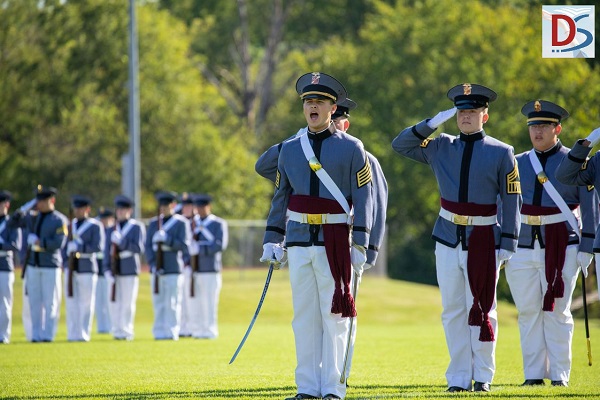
(7, 280)
(122, 310)
(185, 324)
(203, 308)
(470, 359)
(80, 307)
(167, 306)
(597, 266)
(354, 328)
(44, 291)
(320, 336)
(26, 312)
(546, 336)
(101, 308)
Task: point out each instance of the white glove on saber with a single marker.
(358, 258)
(32, 239)
(441, 117)
(503, 255)
(583, 261)
(72, 247)
(110, 279)
(159, 236)
(194, 248)
(116, 237)
(594, 137)
(273, 252)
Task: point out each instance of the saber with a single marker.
(262, 298)
(587, 328)
(354, 290)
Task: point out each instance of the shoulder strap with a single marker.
(316, 166)
(554, 195)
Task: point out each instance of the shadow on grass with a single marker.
(359, 392)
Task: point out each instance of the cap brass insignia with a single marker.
(537, 106)
(39, 188)
(466, 88)
(316, 76)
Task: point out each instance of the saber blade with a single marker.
(260, 303)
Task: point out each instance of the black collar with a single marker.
(473, 137)
(551, 151)
(322, 135)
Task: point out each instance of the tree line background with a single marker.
(217, 89)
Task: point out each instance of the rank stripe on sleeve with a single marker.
(513, 182)
(364, 175)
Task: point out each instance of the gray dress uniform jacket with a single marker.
(472, 168)
(534, 194)
(10, 244)
(51, 229)
(212, 235)
(93, 239)
(344, 158)
(576, 169)
(179, 235)
(133, 244)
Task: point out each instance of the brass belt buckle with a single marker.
(460, 219)
(314, 219)
(534, 220)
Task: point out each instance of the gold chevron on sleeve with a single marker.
(425, 142)
(277, 179)
(513, 182)
(364, 175)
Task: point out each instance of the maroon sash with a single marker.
(337, 248)
(557, 239)
(481, 265)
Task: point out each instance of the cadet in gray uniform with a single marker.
(43, 274)
(312, 212)
(188, 210)
(88, 240)
(122, 266)
(211, 236)
(543, 273)
(473, 170)
(169, 235)
(10, 245)
(107, 219)
(341, 119)
(576, 169)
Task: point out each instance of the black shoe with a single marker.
(331, 397)
(455, 389)
(481, 387)
(302, 396)
(533, 382)
(560, 383)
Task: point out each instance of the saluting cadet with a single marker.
(543, 273)
(88, 238)
(210, 238)
(107, 218)
(576, 169)
(341, 119)
(10, 244)
(122, 266)
(43, 274)
(319, 174)
(169, 235)
(188, 210)
(472, 169)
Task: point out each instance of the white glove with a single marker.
(273, 252)
(441, 117)
(110, 279)
(116, 237)
(32, 239)
(594, 137)
(503, 255)
(358, 258)
(194, 248)
(72, 247)
(160, 236)
(367, 266)
(583, 261)
(187, 272)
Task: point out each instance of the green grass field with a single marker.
(400, 352)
